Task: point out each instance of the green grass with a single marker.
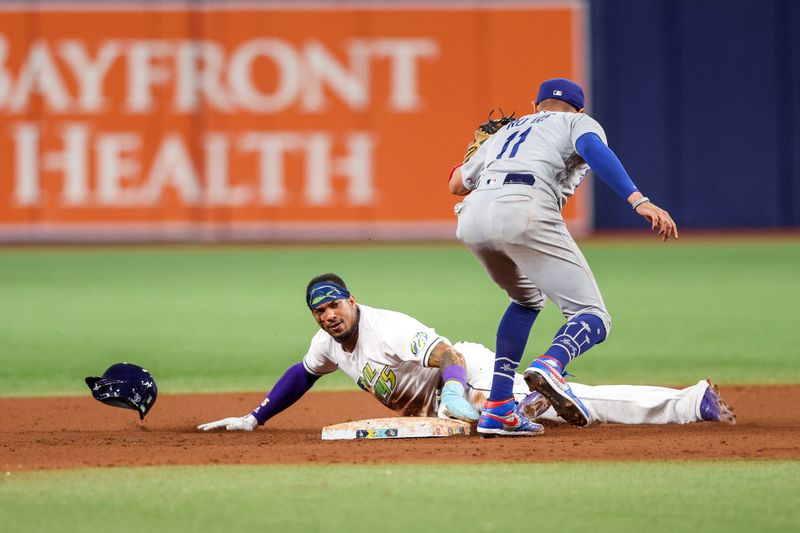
(602, 497)
(228, 318)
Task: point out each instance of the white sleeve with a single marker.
(410, 340)
(317, 360)
(585, 124)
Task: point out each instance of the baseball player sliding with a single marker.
(518, 180)
(416, 372)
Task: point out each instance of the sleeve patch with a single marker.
(420, 339)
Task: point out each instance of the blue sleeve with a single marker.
(605, 164)
(290, 387)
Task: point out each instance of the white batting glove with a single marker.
(242, 423)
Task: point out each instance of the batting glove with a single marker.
(243, 423)
(452, 403)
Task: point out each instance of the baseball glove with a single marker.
(486, 130)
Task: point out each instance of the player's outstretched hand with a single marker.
(452, 403)
(659, 220)
(234, 423)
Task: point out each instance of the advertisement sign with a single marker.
(266, 121)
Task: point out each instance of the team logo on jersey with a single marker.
(378, 384)
(420, 340)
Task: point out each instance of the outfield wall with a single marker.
(701, 100)
(260, 121)
(270, 121)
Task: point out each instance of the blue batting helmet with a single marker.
(125, 385)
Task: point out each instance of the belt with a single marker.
(519, 179)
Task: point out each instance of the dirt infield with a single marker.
(47, 433)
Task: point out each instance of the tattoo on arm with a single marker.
(444, 355)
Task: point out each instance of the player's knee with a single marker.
(605, 318)
(600, 320)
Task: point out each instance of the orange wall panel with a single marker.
(269, 122)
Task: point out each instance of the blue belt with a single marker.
(519, 179)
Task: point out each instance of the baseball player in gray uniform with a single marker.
(517, 182)
(413, 370)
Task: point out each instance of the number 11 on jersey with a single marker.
(511, 137)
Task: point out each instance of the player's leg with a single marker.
(512, 337)
(488, 220)
(515, 325)
(480, 361)
(554, 262)
(631, 404)
(550, 258)
(498, 415)
(618, 404)
(638, 404)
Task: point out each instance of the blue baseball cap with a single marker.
(562, 89)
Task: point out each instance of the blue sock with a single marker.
(575, 337)
(512, 336)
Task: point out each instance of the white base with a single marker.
(396, 428)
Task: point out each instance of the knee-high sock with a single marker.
(575, 337)
(512, 336)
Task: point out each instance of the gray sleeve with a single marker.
(582, 124)
(471, 170)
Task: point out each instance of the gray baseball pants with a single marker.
(519, 236)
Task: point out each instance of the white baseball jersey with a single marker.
(542, 144)
(390, 360)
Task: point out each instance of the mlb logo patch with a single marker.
(491, 181)
(558, 93)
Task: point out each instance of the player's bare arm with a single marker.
(456, 184)
(444, 355)
(659, 219)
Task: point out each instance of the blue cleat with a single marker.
(502, 418)
(546, 377)
(713, 408)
